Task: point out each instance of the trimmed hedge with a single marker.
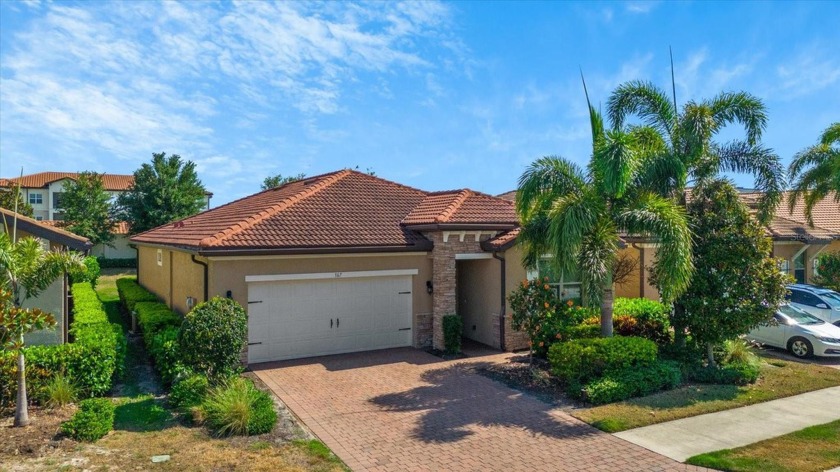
(632, 382)
(132, 293)
(108, 263)
(93, 420)
(189, 391)
(582, 360)
(643, 318)
(92, 360)
(735, 373)
(452, 328)
(159, 324)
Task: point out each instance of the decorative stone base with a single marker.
(423, 330)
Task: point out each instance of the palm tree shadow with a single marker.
(452, 404)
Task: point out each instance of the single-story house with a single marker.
(795, 242)
(344, 262)
(54, 299)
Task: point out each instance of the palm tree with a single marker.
(26, 270)
(680, 144)
(577, 215)
(815, 171)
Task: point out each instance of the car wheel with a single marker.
(800, 347)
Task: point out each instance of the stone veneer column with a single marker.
(444, 280)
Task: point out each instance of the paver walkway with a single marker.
(681, 439)
(405, 410)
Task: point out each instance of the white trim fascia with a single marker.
(473, 256)
(330, 275)
(799, 253)
(315, 256)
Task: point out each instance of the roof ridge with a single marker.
(252, 220)
(453, 206)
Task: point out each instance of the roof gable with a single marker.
(45, 231)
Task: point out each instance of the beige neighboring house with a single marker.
(44, 191)
(344, 262)
(795, 242)
(55, 298)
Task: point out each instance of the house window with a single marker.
(566, 284)
(39, 218)
(58, 200)
(159, 257)
(784, 265)
(36, 198)
(816, 267)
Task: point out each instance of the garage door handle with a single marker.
(254, 344)
(337, 321)
(404, 329)
(330, 323)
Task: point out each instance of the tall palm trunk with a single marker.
(710, 354)
(21, 409)
(607, 312)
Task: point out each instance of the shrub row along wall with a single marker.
(159, 324)
(93, 358)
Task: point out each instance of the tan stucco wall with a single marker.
(173, 281)
(478, 292)
(787, 249)
(630, 288)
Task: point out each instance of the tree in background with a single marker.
(11, 195)
(577, 216)
(736, 284)
(828, 271)
(165, 190)
(26, 270)
(87, 208)
(815, 171)
(274, 181)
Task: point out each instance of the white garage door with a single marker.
(289, 319)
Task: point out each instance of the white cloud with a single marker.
(813, 70)
(643, 6)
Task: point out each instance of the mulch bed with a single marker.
(41, 438)
(532, 378)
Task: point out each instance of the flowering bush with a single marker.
(539, 312)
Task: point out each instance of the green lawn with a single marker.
(778, 379)
(812, 449)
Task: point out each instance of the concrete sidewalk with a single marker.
(681, 439)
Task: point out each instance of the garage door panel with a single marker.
(294, 317)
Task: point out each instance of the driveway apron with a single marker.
(406, 410)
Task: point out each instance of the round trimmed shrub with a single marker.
(212, 337)
(237, 407)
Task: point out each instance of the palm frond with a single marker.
(598, 252)
(663, 173)
(570, 219)
(742, 108)
(651, 215)
(546, 179)
(616, 162)
(831, 135)
(644, 100)
(764, 164)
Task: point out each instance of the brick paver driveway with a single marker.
(403, 409)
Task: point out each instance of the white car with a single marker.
(802, 334)
(820, 302)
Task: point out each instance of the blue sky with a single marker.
(432, 95)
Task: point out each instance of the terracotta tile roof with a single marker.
(335, 212)
(112, 182)
(794, 225)
(502, 241)
(46, 231)
(120, 228)
(462, 207)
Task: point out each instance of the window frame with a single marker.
(40, 198)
